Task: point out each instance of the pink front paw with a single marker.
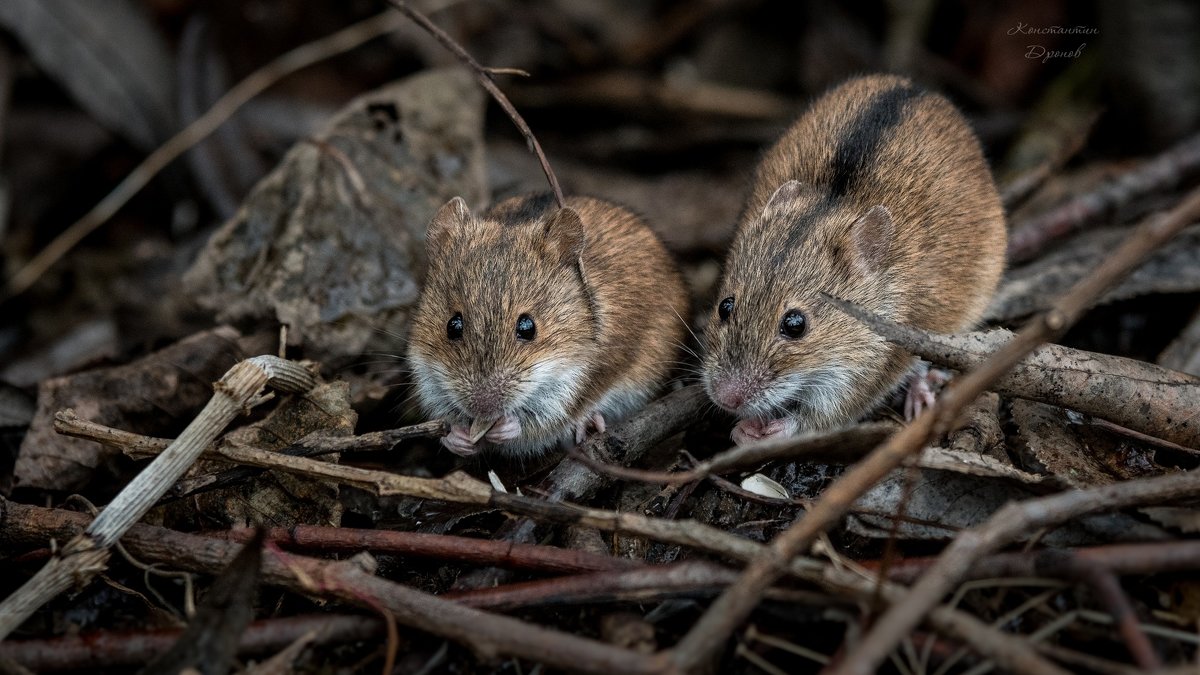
(920, 389)
(459, 442)
(751, 430)
(594, 422)
(507, 429)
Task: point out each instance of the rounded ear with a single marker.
(871, 238)
(453, 214)
(564, 235)
(784, 198)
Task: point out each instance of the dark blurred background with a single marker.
(660, 104)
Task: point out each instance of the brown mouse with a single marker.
(537, 322)
(879, 194)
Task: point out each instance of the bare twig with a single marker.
(313, 445)
(254, 84)
(840, 446)
(1004, 526)
(101, 650)
(1154, 558)
(1016, 191)
(1093, 384)
(708, 636)
(484, 75)
(1162, 173)
(440, 546)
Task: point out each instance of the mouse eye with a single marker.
(793, 324)
(526, 329)
(725, 308)
(454, 327)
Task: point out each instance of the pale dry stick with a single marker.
(484, 75)
(707, 637)
(254, 84)
(85, 555)
(841, 445)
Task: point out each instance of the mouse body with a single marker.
(538, 323)
(879, 194)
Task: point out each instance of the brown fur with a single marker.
(874, 140)
(608, 303)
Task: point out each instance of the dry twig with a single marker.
(484, 75)
(100, 650)
(1160, 174)
(1099, 385)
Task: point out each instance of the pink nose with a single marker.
(730, 394)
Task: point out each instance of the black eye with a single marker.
(525, 328)
(793, 324)
(454, 327)
(725, 308)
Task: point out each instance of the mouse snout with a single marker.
(488, 397)
(733, 391)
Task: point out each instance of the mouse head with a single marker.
(773, 348)
(504, 325)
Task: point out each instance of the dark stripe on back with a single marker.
(861, 142)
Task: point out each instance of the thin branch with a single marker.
(484, 75)
(708, 636)
(110, 649)
(1160, 174)
(254, 84)
(1016, 191)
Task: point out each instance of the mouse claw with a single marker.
(507, 428)
(594, 422)
(459, 441)
(479, 428)
(920, 389)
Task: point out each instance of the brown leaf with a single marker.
(330, 242)
(277, 498)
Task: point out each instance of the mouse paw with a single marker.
(507, 429)
(920, 395)
(751, 430)
(594, 422)
(459, 442)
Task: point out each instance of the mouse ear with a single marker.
(784, 198)
(871, 238)
(453, 214)
(564, 235)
